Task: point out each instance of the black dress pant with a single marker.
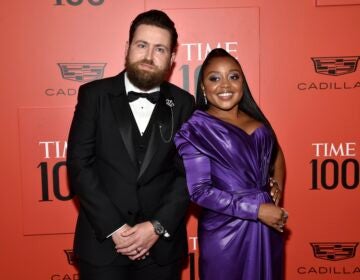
(140, 270)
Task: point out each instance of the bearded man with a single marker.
(123, 166)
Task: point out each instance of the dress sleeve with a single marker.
(202, 190)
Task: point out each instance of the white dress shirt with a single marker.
(141, 107)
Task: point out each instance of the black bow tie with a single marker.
(153, 97)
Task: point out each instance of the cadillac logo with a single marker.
(82, 72)
(70, 256)
(334, 251)
(335, 66)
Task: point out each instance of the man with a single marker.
(124, 167)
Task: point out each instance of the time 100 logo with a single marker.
(78, 2)
(329, 173)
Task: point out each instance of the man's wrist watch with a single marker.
(159, 229)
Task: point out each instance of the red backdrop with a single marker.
(301, 62)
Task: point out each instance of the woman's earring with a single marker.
(205, 99)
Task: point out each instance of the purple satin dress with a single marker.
(227, 175)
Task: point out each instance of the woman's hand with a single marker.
(273, 216)
(275, 191)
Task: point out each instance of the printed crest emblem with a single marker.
(82, 72)
(334, 251)
(335, 66)
(70, 256)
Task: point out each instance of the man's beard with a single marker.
(145, 80)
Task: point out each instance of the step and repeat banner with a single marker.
(301, 62)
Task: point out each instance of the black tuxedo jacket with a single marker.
(111, 187)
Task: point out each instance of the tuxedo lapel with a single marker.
(123, 116)
(161, 122)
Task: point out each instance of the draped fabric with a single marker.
(227, 174)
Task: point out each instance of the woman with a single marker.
(230, 152)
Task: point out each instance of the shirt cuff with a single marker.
(120, 229)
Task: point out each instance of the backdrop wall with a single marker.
(301, 62)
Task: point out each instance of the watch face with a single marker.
(159, 229)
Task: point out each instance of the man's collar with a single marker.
(130, 87)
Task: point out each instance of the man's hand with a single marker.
(138, 241)
(118, 239)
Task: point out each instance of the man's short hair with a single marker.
(155, 18)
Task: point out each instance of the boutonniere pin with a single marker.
(169, 103)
